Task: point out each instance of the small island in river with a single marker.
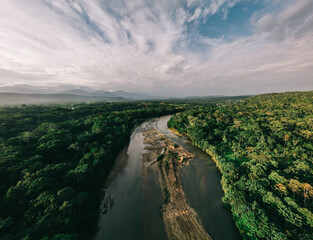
(180, 220)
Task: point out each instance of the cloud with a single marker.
(265, 23)
(251, 66)
(200, 10)
(85, 39)
(173, 65)
(293, 21)
(153, 46)
(196, 14)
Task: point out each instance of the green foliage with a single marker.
(160, 158)
(167, 166)
(173, 155)
(263, 147)
(53, 162)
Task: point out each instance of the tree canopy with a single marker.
(54, 161)
(263, 147)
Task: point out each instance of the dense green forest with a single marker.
(263, 147)
(55, 159)
(53, 163)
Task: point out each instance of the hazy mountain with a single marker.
(26, 94)
(90, 92)
(134, 95)
(76, 90)
(25, 88)
(20, 88)
(22, 98)
(111, 94)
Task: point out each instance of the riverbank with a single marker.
(201, 182)
(180, 220)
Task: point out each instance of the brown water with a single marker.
(133, 212)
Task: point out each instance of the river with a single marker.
(131, 211)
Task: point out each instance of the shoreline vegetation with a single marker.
(263, 149)
(54, 161)
(180, 220)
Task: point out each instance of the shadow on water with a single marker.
(131, 206)
(129, 211)
(201, 184)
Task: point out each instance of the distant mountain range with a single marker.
(109, 94)
(26, 94)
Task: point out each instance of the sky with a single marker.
(159, 47)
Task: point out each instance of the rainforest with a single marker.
(54, 160)
(58, 163)
(156, 120)
(263, 147)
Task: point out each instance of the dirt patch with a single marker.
(174, 131)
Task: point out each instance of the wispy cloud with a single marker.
(295, 20)
(154, 46)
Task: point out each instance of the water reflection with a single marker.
(201, 184)
(130, 211)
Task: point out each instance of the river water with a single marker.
(201, 184)
(131, 211)
(135, 211)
